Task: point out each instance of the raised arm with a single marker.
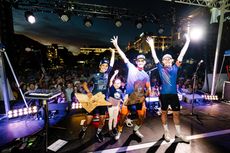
(150, 41)
(112, 78)
(112, 57)
(120, 52)
(184, 49)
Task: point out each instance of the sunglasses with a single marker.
(140, 60)
(167, 59)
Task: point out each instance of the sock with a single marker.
(136, 127)
(110, 122)
(99, 130)
(165, 126)
(177, 129)
(84, 128)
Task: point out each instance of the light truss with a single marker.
(81, 9)
(203, 3)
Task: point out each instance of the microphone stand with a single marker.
(150, 71)
(193, 93)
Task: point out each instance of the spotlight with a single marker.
(196, 33)
(65, 17)
(118, 23)
(30, 17)
(88, 22)
(139, 24)
(161, 29)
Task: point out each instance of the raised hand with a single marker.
(114, 40)
(116, 72)
(150, 41)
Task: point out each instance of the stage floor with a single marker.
(208, 130)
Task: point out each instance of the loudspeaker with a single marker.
(220, 81)
(226, 90)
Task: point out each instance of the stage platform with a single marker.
(208, 130)
(196, 98)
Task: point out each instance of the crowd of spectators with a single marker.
(69, 80)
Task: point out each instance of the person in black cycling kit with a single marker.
(100, 81)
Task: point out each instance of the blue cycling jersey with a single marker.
(168, 77)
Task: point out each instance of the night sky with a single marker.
(50, 29)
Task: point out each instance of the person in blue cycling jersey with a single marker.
(168, 91)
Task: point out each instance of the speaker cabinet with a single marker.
(226, 91)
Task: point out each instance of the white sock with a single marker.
(177, 129)
(99, 130)
(110, 122)
(136, 127)
(165, 126)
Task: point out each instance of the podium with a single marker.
(44, 95)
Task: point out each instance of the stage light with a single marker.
(196, 33)
(15, 113)
(73, 106)
(22, 111)
(76, 106)
(139, 24)
(35, 109)
(210, 97)
(65, 17)
(25, 111)
(30, 110)
(118, 23)
(30, 17)
(10, 114)
(161, 30)
(88, 22)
